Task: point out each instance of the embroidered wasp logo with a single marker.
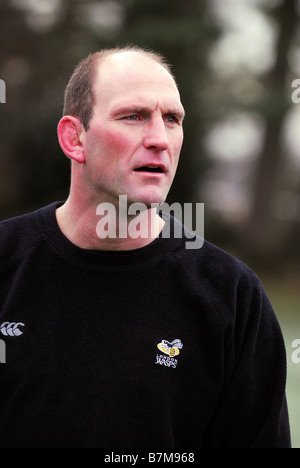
(171, 349)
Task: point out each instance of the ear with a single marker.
(69, 132)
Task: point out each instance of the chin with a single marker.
(152, 197)
(149, 201)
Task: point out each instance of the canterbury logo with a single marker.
(11, 328)
(171, 349)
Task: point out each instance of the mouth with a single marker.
(151, 169)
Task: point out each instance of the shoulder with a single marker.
(219, 270)
(18, 235)
(211, 261)
(234, 282)
(216, 274)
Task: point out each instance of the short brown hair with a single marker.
(79, 96)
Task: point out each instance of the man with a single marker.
(130, 341)
(137, 113)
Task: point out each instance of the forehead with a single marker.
(130, 76)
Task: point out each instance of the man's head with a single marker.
(122, 126)
(79, 96)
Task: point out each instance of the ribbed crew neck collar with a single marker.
(149, 253)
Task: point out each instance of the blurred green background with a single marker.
(235, 63)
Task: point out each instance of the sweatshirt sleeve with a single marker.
(252, 409)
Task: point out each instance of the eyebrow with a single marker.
(138, 109)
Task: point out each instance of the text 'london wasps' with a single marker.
(170, 349)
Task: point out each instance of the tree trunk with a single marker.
(260, 235)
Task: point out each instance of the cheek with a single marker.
(176, 150)
(115, 145)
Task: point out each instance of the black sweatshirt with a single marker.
(158, 347)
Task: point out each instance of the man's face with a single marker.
(135, 134)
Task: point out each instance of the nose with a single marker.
(156, 135)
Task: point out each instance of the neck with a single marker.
(108, 226)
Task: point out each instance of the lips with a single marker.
(151, 168)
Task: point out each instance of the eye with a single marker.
(133, 117)
(172, 119)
